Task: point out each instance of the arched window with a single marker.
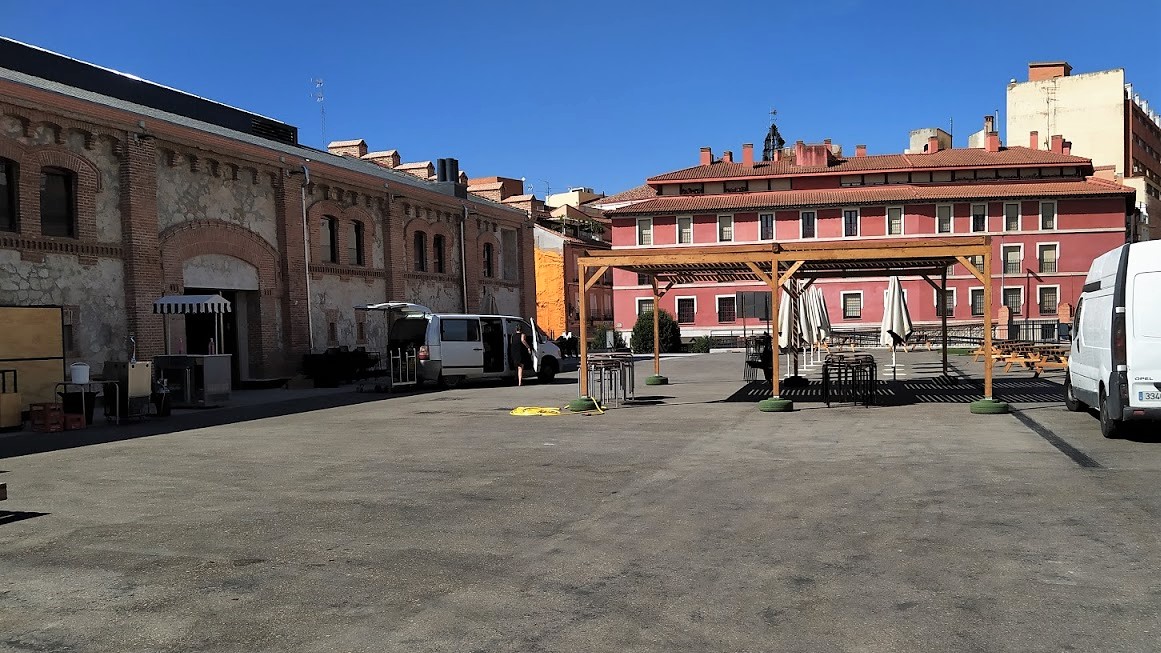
(58, 208)
(355, 244)
(330, 239)
(420, 251)
(437, 253)
(8, 179)
(489, 260)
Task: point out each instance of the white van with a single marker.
(453, 347)
(1115, 363)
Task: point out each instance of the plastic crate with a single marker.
(46, 418)
(74, 421)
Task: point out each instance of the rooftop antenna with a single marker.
(320, 98)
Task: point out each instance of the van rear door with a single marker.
(1144, 339)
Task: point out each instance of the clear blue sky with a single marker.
(598, 93)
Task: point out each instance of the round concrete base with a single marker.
(795, 382)
(581, 405)
(775, 405)
(657, 379)
(988, 407)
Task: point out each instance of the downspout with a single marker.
(463, 260)
(306, 258)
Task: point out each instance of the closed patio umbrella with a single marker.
(896, 327)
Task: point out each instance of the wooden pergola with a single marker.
(778, 264)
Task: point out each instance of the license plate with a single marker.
(1149, 396)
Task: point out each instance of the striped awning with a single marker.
(187, 304)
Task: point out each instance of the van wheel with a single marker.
(548, 369)
(1070, 401)
(1110, 428)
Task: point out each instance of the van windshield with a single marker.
(407, 331)
(1146, 309)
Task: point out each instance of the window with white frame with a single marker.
(766, 226)
(808, 220)
(976, 297)
(644, 305)
(1049, 299)
(1046, 254)
(644, 231)
(725, 228)
(977, 261)
(1012, 255)
(727, 308)
(686, 310)
(1011, 217)
(1047, 215)
(894, 221)
(850, 223)
(979, 217)
(1014, 299)
(685, 230)
(947, 306)
(852, 305)
(943, 224)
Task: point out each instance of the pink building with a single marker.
(1049, 214)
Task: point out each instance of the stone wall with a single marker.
(334, 301)
(193, 189)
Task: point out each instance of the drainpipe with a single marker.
(463, 260)
(306, 256)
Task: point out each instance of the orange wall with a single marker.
(550, 311)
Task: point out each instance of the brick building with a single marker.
(1048, 214)
(115, 191)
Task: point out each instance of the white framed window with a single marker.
(1047, 255)
(644, 305)
(948, 305)
(1012, 217)
(808, 224)
(976, 298)
(1047, 216)
(979, 218)
(1049, 299)
(944, 224)
(686, 310)
(894, 220)
(644, 231)
(852, 302)
(766, 226)
(1013, 298)
(851, 223)
(727, 308)
(1013, 258)
(725, 228)
(685, 230)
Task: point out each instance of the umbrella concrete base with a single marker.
(582, 404)
(775, 405)
(657, 379)
(795, 382)
(988, 407)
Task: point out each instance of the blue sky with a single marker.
(598, 93)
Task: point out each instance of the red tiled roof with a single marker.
(863, 195)
(642, 192)
(415, 165)
(519, 198)
(959, 158)
(496, 185)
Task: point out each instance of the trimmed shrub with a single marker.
(642, 339)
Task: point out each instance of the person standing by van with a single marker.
(520, 353)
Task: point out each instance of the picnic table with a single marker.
(1033, 356)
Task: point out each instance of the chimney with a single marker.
(356, 148)
(748, 154)
(1034, 140)
(707, 156)
(1057, 144)
(388, 159)
(1040, 70)
(932, 144)
(992, 142)
(1067, 148)
(860, 151)
(777, 155)
(826, 142)
(989, 123)
(799, 152)
(727, 157)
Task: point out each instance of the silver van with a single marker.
(453, 347)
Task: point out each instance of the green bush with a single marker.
(642, 339)
(699, 345)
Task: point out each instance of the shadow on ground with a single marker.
(919, 391)
(9, 516)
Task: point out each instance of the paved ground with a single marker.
(438, 522)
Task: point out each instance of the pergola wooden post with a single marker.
(988, 322)
(656, 326)
(775, 300)
(582, 305)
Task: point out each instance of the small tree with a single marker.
(642, 339)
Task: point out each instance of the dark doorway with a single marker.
(200, 329)
(493, 344)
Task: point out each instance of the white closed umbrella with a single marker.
(896, 328)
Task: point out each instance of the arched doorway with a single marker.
(237, 281)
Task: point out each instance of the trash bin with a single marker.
(71, 402)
